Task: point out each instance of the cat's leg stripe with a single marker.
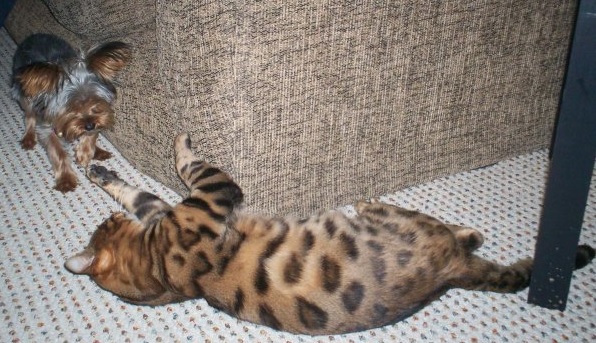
(204, 206)
(262, 277)
(205, 173)
(216, 186)
(207, 231)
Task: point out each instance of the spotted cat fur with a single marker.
(326, 274)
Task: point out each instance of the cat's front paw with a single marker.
(100, 175)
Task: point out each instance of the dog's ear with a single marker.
(39, 78)
(106, 60)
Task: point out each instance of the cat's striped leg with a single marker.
(145, 206)
(396, 219)
(476, 273)
(210, 188)
(377, 212)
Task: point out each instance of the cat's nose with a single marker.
(89, 126)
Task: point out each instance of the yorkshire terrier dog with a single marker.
(66, 95)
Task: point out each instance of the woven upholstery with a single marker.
(311, 105)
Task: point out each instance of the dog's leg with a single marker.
(85, 150)
(66, 180)
(29, 140)
(101, 154)
(88, 149)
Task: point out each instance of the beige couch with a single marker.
(315, 104)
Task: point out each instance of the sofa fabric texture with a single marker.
(315, 104)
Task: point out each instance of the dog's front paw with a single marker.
(28, 142)
(101, 175)
(101, 155)
(66, 183)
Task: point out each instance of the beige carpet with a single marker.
(39, 228)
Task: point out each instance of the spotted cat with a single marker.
(326, 274)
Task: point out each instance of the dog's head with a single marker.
(83, 113)
(76, 95)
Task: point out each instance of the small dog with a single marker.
(66, 95)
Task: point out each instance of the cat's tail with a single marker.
(482, 275)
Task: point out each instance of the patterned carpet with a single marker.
(42, 302)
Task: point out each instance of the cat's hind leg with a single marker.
(144, 205)
(395, 217)
(376, 211)
(205, 182)
(476, 273)
(389, 216)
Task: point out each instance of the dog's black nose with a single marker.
(89, 126)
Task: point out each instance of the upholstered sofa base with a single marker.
(313, 105)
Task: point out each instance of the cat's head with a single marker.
(117, 262)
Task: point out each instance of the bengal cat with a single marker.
(326, 274)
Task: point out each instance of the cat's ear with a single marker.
(80, 263)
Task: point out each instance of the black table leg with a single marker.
(571, 167)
